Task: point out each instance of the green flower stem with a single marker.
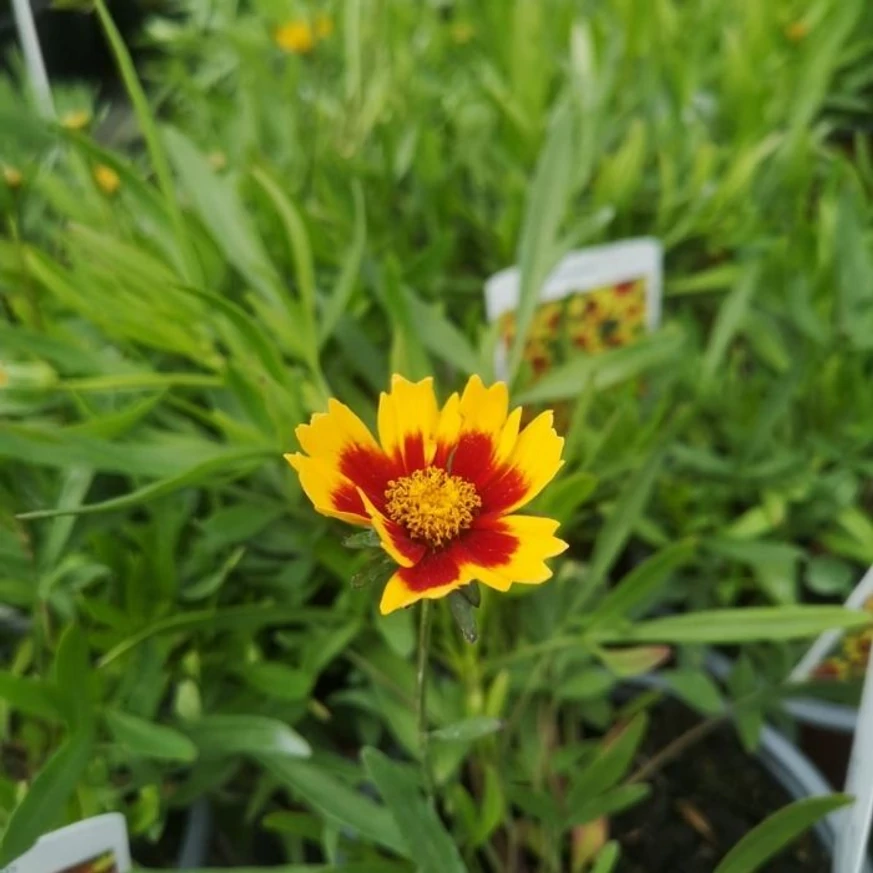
(424, 629)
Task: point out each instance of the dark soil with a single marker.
(702, 804)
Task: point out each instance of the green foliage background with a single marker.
(289, 228)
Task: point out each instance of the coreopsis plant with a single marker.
(440, 487)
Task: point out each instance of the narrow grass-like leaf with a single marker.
(337, 802)
(232, 464)
(145, 739)
(256, 735)
(752, 624)
(538, 251)
(40, 809)
(228, 618)
(425, 836)
(778, 831)
(639, 587)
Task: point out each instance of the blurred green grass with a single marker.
(292, 227)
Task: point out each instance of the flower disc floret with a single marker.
(432, 505)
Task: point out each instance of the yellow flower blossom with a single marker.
(107, 179)
(12, 177)
(76, 119)
(296, 37)
(797, 31)
(440, 487)
(462, 32)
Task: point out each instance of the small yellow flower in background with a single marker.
(296, 37)
(797, 31)
(12, 177)
(856, 649)
(323, 26)
(76, 119)
(462, 32)
(440, 486)
(4, 378)
(217, 160)
(107, 179)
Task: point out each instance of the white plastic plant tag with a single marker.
(595, 299)
(96, 845)
(815, 657)
(850, 852)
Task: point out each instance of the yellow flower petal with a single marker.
(435, 576)
(512, 549)
(331, 493)
(296, 37)
(408, 417)
(329, 433)
(533, 463)
(349, 458)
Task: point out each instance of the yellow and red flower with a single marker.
(440, 486)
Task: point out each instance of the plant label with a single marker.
(96, 845)
(596, 299)
(821, 662)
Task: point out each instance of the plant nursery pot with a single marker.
(72, 42)
(825, 728)
(196, 836)
(704, 801)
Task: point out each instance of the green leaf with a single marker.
(608, 803)
(146, 120)
(619, 526)
(729, 320)
(40, 809)
(696, 689)
(607, 858)
(377, 571)
(468, 730)
(464, 616)
(212, 582)
(830, 576)
(220, 209)
(592, 682)
(752, 624)
(277, 680)
(72, 674)
(607, 369)
(337, 802)
(228, 618)
(638, 589)
(257, 735)
(472, 593)
(610, 764)
(428, 842)
(441, 338)
(75, 484)
(776, 832)
(146, 739)
(31, 696)
(633, 661)
(492, 811)
(339, 299)
(365, 539)
(301, 251)
(381, 866)
(233, 463)
(538, 248)
(564, 497)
